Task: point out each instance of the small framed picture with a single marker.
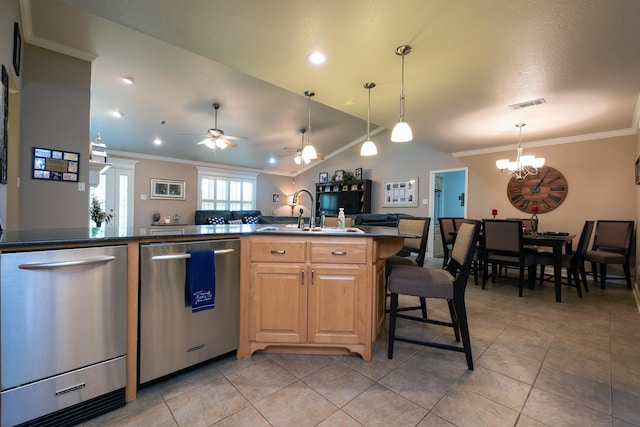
(323, 177)
(359, 173)
(339, 175)
(167, 189)
(276, 198)
(638, 171)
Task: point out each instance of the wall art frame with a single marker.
(55, 165)
(400, 193)
(323, 177)
(4, 129)
(167, 189)
(638, 171)
(17, 48)
(358, 173)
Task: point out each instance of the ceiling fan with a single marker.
(215, 138)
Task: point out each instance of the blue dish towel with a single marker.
(201, 280)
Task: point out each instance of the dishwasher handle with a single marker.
(62, 264)
(185, 256)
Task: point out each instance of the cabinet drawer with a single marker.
(339, 252)
(278, 251)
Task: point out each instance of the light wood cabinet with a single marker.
(309, 295)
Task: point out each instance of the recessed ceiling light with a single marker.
(316, 58)
(157, 141)
(272, 160)
(128, 80)
(117, 114)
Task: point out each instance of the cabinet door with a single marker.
(337, 304)
(277, 310)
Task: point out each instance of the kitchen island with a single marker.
(338, 309)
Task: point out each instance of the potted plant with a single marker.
(97, 215)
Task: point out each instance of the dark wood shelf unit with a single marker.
(362, 186)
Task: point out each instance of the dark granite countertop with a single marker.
(16, 238)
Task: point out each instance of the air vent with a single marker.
(527, 104)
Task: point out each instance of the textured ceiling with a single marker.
(471, 59)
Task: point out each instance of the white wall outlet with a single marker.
(425, 201)
(143, 197)
(81, 186)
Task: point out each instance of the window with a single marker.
(226, 190)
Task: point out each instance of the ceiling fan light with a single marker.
(209, 143)
(401, 132)
(368, 149)
(297, 159)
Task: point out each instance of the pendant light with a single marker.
(369, 147)
(523, 166)
(402, 130)
(309, 152)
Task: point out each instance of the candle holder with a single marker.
(494, 212)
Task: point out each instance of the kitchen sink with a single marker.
(314, 230)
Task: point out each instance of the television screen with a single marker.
(330, 203)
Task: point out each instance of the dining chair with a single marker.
(431, 282)
(611, 245)
(457, 222)
(413, 252)
(573, 262)
(503, 246)
(447, 228)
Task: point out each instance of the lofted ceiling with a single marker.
(471, 60)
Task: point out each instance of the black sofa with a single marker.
(204, 217)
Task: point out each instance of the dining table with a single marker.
(557, 241)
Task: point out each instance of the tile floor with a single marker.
(537, 363)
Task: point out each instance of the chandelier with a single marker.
(523, 165)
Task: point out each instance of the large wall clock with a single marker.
(547, 189)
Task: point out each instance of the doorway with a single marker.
(448, 190)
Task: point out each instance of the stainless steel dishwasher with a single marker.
(63, 341)
(171, 336)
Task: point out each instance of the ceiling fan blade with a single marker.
(229, 143)
(236, 138)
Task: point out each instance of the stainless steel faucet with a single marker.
(295, 200)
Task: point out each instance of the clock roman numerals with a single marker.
(524, 204)
(516, 198)
(558, 188)
(554, 197)
(546, 203)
